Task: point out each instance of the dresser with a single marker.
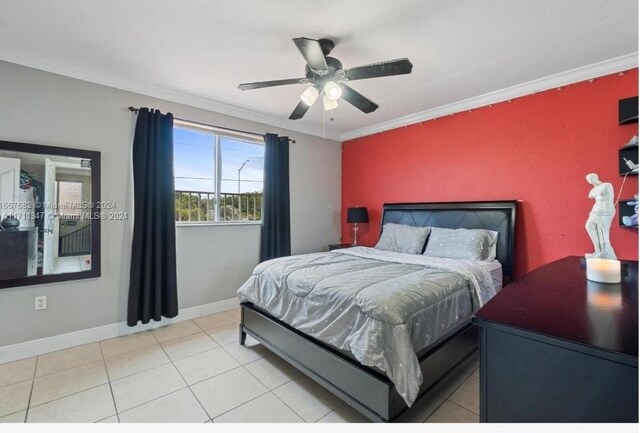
(18, 252)
(555, 347)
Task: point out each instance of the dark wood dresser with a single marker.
(14, 249)
(555, 347)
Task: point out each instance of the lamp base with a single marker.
(355, 235)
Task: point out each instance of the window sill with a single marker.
(219, 224)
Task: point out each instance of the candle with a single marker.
(603, 270)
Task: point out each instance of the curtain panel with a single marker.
(276, 224)
(153, 285)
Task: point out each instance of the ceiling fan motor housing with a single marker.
(333, 64)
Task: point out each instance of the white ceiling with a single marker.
(200, 50)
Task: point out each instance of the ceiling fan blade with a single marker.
(381, 69)
(312, 53)
(359, 101)
(262, 84)
(299, 112)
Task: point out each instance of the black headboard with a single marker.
(499, 216)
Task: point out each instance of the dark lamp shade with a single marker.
(357, 215)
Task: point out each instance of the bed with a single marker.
(379, 328)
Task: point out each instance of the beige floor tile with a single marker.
(143, 387)
(449, 412)
(476, 373)
(235, 312)
(265, 409)
(215, 321)
(468, 394)
(18, 417)
(176, 330)
(17, 371)
(344, 414)
(251, 351)
(119, 345)
(87, 406)
(111, 420)
(225, 335)
(204, 365)
(68, 358)
(67, 382)
(308, 399)
(227, 391)
(422, 408)
(135, 362)
(180, 406)
(188, 346)
(272, 371)
(15, 397)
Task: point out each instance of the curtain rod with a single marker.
(135, 110)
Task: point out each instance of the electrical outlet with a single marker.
(41, 303)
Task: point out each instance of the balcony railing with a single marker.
(199, 206)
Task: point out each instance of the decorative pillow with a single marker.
(467, 244)
(402, 239)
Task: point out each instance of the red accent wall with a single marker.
(536, 149)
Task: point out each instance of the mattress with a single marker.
(382, 307)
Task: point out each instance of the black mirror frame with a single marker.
(94, 156)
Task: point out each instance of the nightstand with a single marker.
(338, 246)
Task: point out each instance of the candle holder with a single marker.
(603, 270)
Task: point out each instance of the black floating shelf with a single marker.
(627, 213)
(627, 152)
(628, 111)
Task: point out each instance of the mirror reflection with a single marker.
(45, 214)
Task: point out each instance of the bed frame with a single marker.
(364, 388)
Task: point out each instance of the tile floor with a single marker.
(195, 371)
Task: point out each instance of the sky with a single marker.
(193, 154)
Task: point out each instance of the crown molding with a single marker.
(582, 73)
(571, 76)
(19, 57)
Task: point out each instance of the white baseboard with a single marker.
(40, 346)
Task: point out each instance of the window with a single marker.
(69, 197)
(218, 174)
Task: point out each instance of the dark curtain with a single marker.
(153, 285)
(276, 224)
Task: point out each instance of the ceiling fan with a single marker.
(326, 75)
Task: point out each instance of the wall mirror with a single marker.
(49, 214)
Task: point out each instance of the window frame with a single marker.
(218, 133)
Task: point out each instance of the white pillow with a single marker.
(402, 239)
(467, 244)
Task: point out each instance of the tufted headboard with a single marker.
(499, 216)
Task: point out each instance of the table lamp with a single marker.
(357, 215)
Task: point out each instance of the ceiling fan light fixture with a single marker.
(332, 90)
(309, 96)
(329, 104)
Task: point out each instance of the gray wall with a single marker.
(213, 261)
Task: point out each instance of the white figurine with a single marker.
(600, 218)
